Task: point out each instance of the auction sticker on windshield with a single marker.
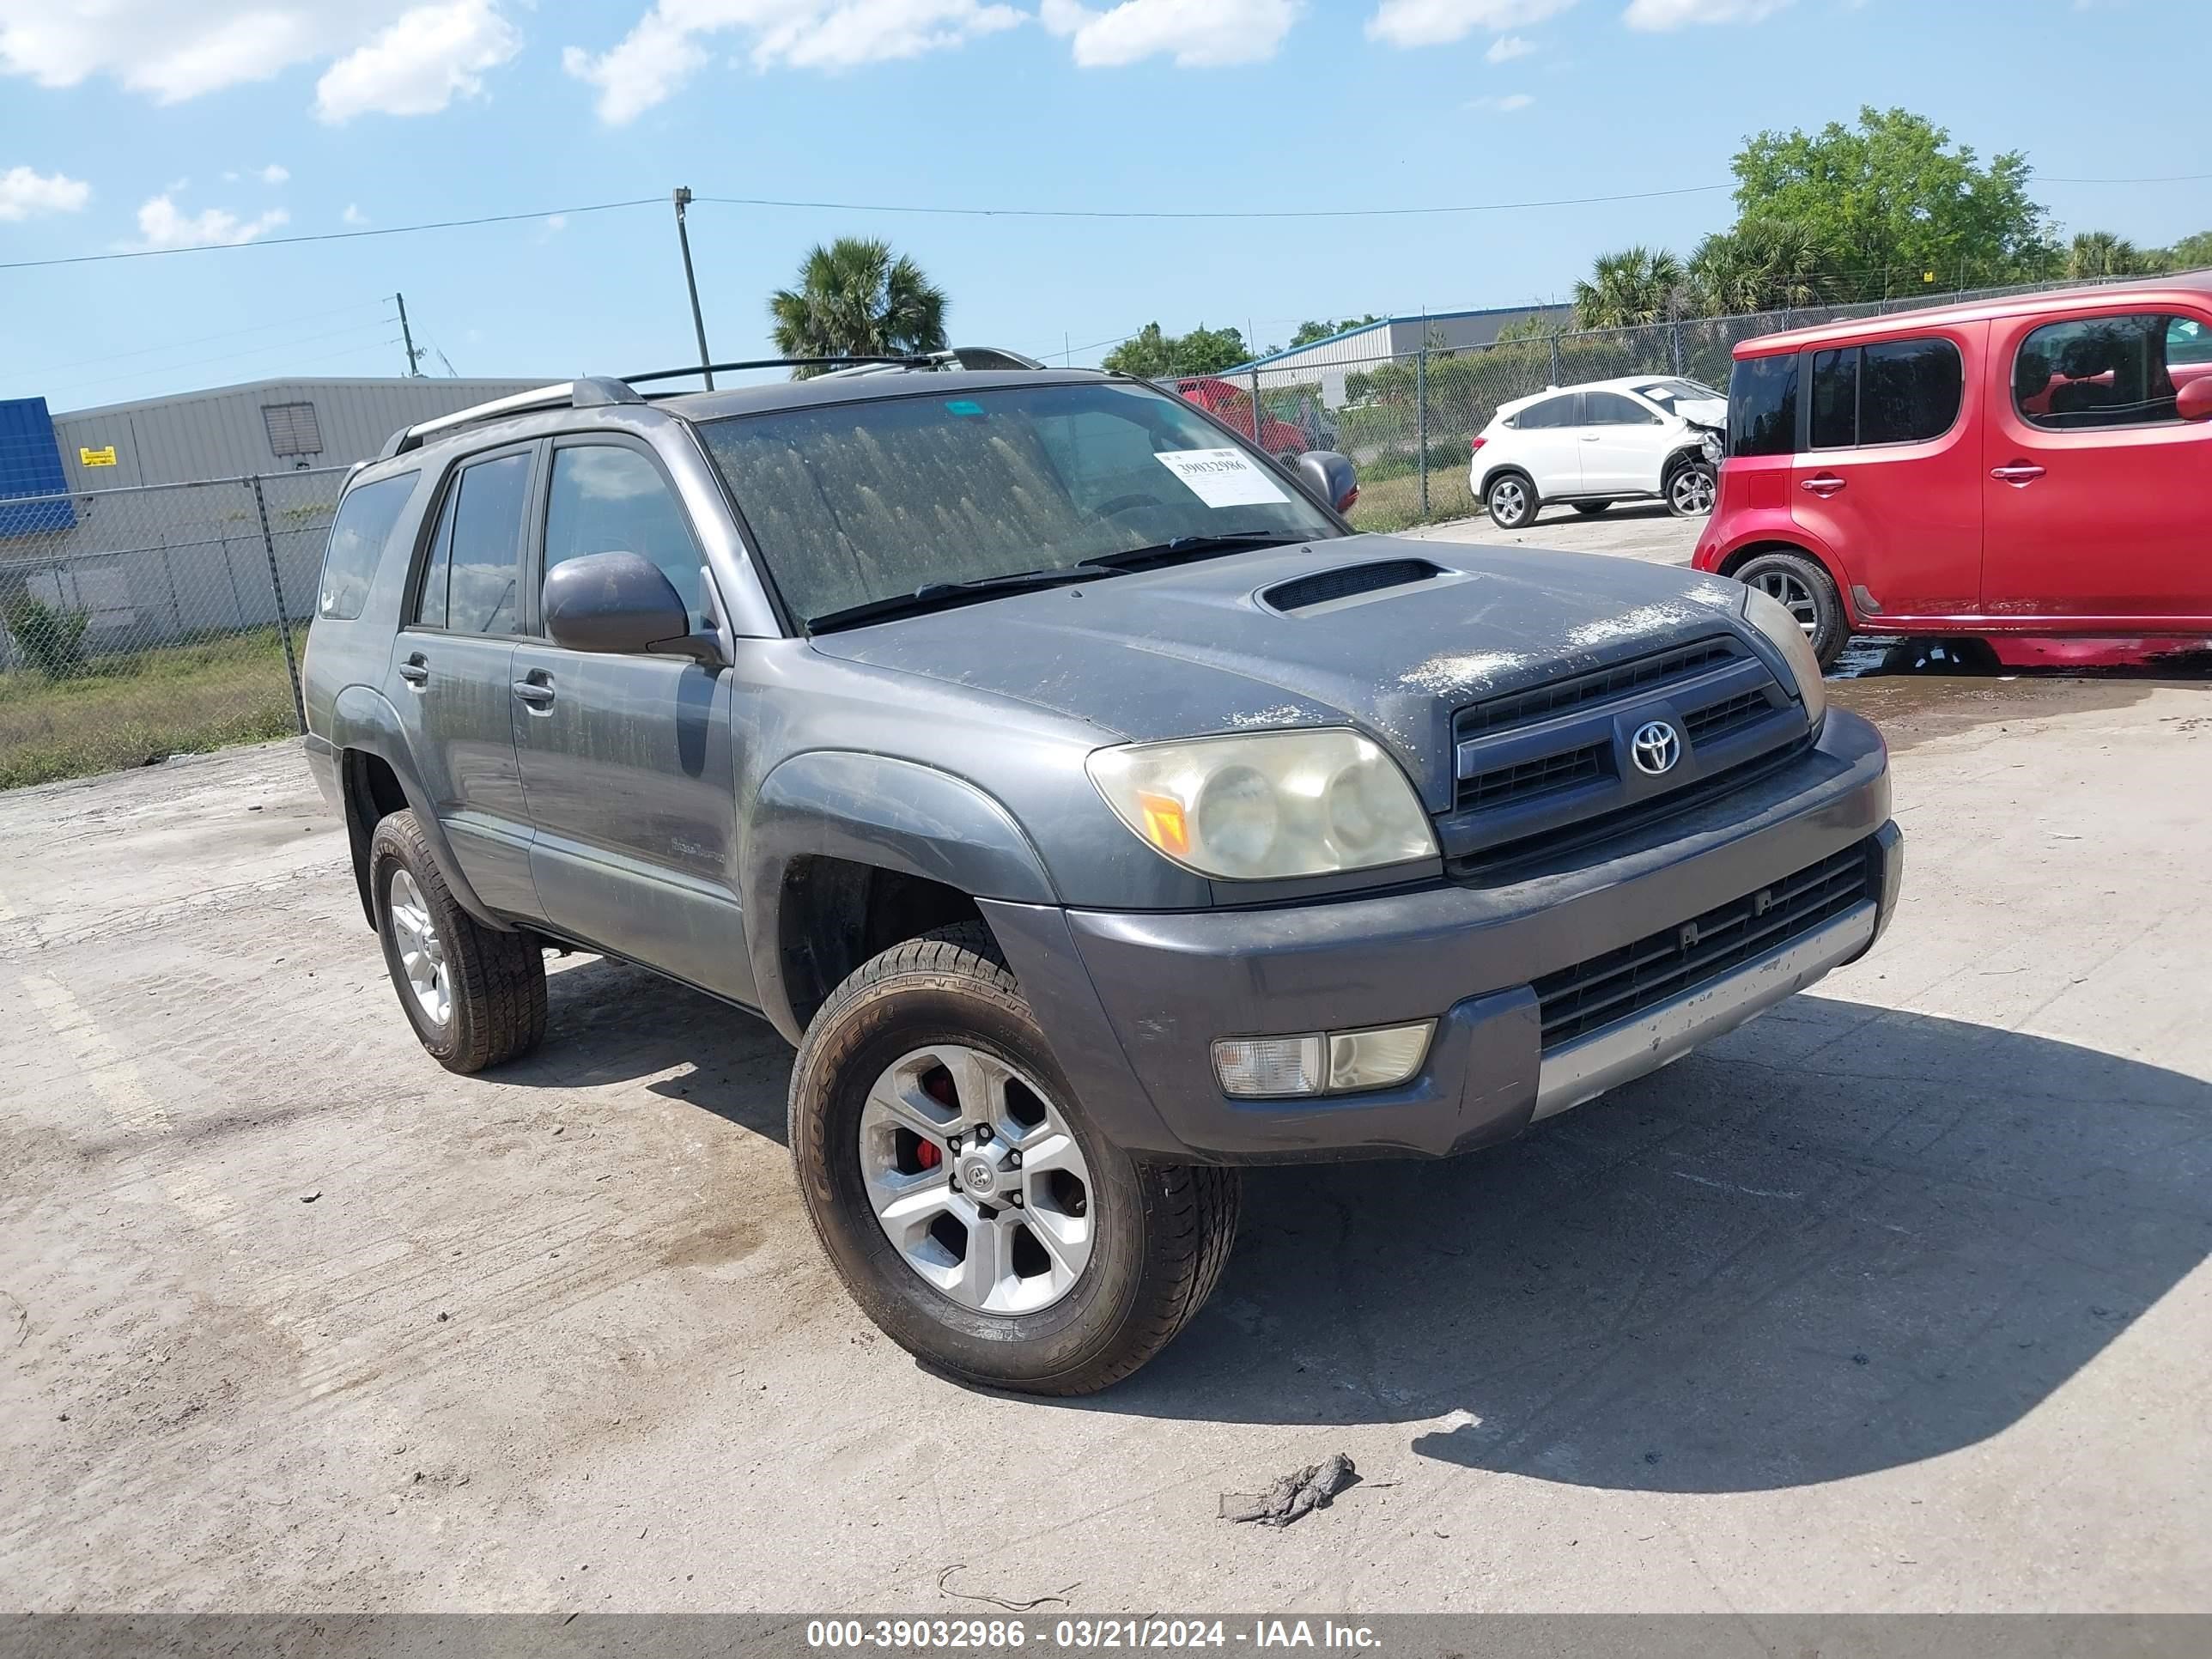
(1221, 477)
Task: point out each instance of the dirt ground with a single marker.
(1895, 1299)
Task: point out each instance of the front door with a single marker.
(452, 665)
(1889, 478)
(1623, 445)
(2096, 487)
(627, 761)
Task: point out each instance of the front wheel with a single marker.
(967, 1201)
(1512, 500)
(1805, 591)
(1691, 491)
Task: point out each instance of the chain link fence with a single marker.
(139, 623)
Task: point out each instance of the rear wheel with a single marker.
(1591, 509)
(1512, 500)
(1805, 591)
(971, 1208)
(475, 997)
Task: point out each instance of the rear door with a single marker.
(2096, 487)
(1889, 478)
(451, 667)
(1624, 444)
(627, 761)
(1547, 440)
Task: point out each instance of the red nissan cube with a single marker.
(2036, 472)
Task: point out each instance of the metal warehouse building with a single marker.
(1329, 360)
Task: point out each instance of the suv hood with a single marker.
(1196, 649)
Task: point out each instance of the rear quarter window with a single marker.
(364, 521)
(1763, 406)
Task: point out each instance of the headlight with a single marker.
(1772, 618)
(1263, 808)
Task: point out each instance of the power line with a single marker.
(197, 339)
(1209, 213)
(233, 356)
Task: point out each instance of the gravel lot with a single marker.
(1894, 1299)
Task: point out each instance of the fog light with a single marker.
(1255, 1066)
(1379, 1058)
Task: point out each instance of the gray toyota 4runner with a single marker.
(1090, 804)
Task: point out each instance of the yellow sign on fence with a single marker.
(95, 457)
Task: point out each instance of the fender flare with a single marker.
(363, 722)
(890, 814)
(1793, 539)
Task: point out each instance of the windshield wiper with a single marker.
(938, 596)
(1195, 547)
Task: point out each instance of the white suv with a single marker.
(1643, 436)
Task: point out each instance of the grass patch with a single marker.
(1391, 504)
(124, 710)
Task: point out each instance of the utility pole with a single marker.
(407, 338)
(683, 199)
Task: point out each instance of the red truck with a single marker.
(1233, 409)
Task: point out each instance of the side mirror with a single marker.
(1330, 475)
(616, 603)
(2194, 401)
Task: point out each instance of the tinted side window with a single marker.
(1763, 406)
(358, 534)
(2187, 340)
(2100, 371)
(609, 499)
(1611, 409)
(1909, 391)
(1835, 398)
(1552, 412)
(437, 571)
(487, 547)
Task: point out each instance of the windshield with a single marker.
(853, 502)
(1668, 394)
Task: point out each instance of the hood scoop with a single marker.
(1329, 588)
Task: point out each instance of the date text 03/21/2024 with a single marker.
(989, 1635)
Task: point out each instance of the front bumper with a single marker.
(1134, 1001)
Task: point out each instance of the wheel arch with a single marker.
(377, 777)
(1736, 558)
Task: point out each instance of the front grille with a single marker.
(1717, 719)
(1535, 777)
(1563, 696)
(1592, 994)
(1304, 591)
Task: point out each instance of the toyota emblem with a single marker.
(1656, 748)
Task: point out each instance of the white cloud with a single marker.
(1507, 47)
(23, 193)
(1439, 22)
(172, 49)
(428, 57)
(663, 49)
(160, 225)
(1506, 106)
(271, 174)
(556, 222)
(1660, 16)
(353, 215)
(1196, 34)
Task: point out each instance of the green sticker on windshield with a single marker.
(965, 406)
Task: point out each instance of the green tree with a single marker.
(1535, 326)
(1309, 332)
(1893, 199)
(855, 299)
(2100, 253)
(1762, 265)
(2190, 252)
(1157, 356)
(1635, 285)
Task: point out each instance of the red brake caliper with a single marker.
(938, 1087)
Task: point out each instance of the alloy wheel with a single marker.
(422, 952)
(1509, 503)
(1795, 598)
(976, 1179)
(1693, 491)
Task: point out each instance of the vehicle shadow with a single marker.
(1842, 1240)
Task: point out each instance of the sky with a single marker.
(128, 127)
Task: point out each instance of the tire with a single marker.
(1692, 489)
(1591, 509)
(1807, 590)
(1512, 500)
(493, 983)
(1155, 1235)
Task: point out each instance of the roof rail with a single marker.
(590, 393)
(974, 357)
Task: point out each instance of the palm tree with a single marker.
(855, 299)
(1635, 285)
(1760, 266)
(2100, 253)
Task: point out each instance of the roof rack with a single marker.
(595, 392)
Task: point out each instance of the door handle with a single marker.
(2019, 475)
(416, 671)
(537, 690)
(1823, 484)
(1589, 437)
